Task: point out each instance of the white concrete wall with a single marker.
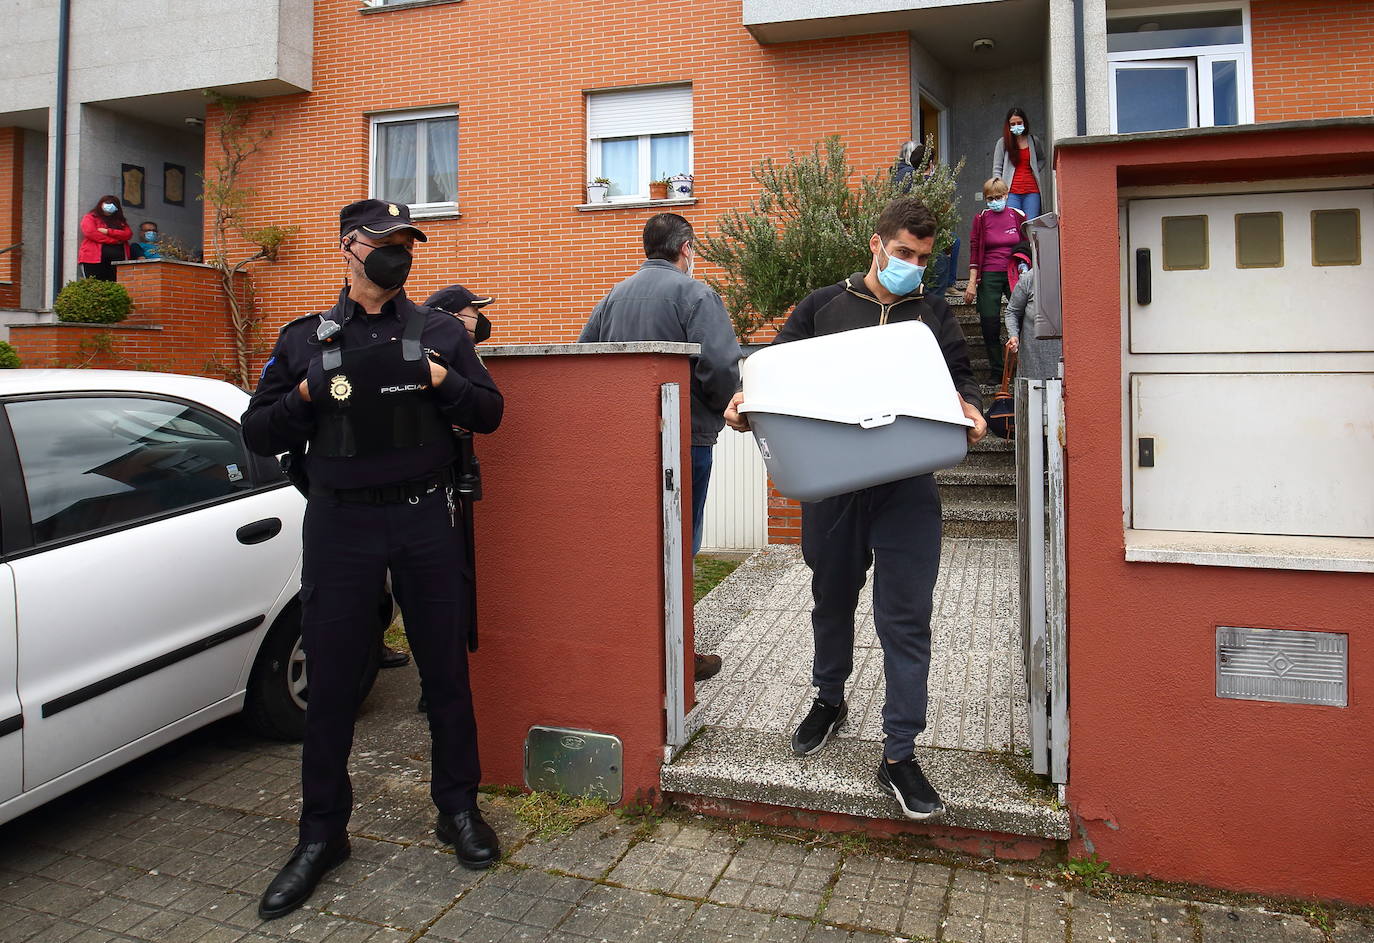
(154, 47)
(109, 140)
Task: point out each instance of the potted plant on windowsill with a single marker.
(680, 187)
(658, 189)
(598, 189)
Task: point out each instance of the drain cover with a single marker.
(1292, 667)
(574, 763)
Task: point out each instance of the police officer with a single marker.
(371, 389)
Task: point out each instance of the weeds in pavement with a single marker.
(552, 814)
(1088, 871)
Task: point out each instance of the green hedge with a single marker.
(9, 360)
(92, 301)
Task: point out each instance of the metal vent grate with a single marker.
(1292, 667)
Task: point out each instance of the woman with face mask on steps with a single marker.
(105, 236)
(995, 232)
(1022, 160)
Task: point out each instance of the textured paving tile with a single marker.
(889, 896)
(588, 852)
(1243, 925)
(622, 915)
(996, 908)
(1130, 917)
(676, 859)
(778, 877)
(975, 699)
(510, 905)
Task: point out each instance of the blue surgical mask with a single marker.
(997, 206)
(1018, 129)
(108, 208)
(150, 236)
(900, 276)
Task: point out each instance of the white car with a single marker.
(149, 567)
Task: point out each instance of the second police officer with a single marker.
(370, 391)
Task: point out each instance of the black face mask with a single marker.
(387, 267)
(483, 329)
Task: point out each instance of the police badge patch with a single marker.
(340, 388)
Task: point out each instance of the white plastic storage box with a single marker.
(851, 410)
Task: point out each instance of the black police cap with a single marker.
(455, 298)
(377, 218)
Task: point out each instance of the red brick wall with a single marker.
(1312, 58)
(11, 213)
(179, 324)
(517, 73)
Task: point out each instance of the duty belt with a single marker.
(396, 493)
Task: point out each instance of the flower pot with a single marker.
(658, 190)
(680, 187)
(596, 192)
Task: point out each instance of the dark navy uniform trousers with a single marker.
(348, 549)
(895, 528)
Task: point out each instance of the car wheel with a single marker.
(278, 687)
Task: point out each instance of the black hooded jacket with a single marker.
(849, 304)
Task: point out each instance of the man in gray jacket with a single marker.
(662, 302)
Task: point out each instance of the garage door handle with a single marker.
(1142, 276)
(258, 531)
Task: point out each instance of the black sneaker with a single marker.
(909, 785)
(821, 721)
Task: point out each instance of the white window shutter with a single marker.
(663, 110)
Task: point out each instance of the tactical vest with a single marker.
(377, 397)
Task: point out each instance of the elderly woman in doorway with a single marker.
(1022, 160)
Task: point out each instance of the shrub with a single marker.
(92, 301)
(9, 360)
(808, 227)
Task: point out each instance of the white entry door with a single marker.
(1255, 272)
(1253, 453)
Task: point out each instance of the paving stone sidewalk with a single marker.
(177, 847)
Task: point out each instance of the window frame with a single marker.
(19, 538)
(644, 143)
(416, 116)
(1202, 108)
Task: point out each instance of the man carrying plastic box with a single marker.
(895, 525)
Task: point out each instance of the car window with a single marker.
(92, 462)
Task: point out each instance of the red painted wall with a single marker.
(1165, 778)
(569, 557)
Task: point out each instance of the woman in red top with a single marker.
(1020, 159)
(105, 236)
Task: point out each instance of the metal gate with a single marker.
(1040, 535)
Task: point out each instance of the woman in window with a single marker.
(105, 236)
(1020, 158)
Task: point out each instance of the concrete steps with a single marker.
(990, 792)
(978, 498)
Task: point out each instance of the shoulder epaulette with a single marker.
(304, 317)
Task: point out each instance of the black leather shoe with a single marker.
(473, 840)
(394, 657)
(294, 883)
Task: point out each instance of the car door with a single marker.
(11, 717)
(155, 561)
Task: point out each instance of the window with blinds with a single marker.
(415, 160)
(638, 135)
